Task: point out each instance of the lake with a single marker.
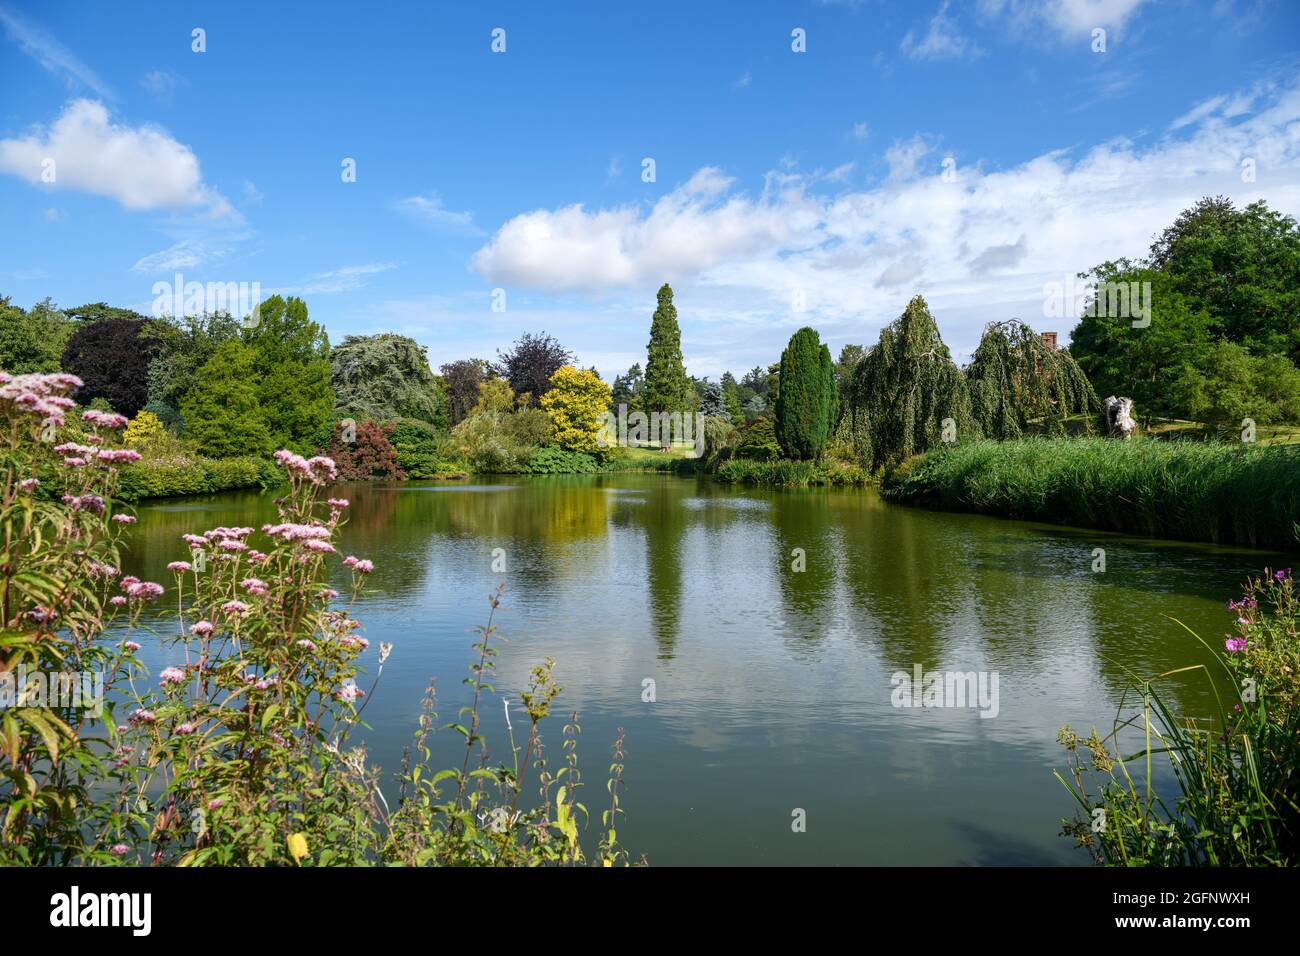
(772, 686)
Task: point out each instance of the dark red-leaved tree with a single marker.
(369, 456)
(112, 358)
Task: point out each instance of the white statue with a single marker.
(1119, 416)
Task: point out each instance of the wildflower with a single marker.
(194, 539)
(104, 419)
(304, 643)
(180, 567)
(29, 484)
(137, 717)
(320, 547)
(202, 628)
(214, 803)
(116, 456)
(42, 615)
(234, 607)
(117, 600)
(327, 594)
(130, 646)
(254, 585)
(338, 504)
(361, 565)
(124, 519)
(120, 849)
(1234, 644)
(172, 675)
(185, 729)
(144, 590)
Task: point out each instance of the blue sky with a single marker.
(791, 188)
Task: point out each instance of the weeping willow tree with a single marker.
(1018, 383)
(903, 389)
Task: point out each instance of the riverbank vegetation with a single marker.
(242, 751)
(1161, 789)
(1200, 491)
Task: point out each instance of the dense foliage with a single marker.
(667, 387)
(1016, 381)
(291, 373)
(32, 340)
(384, 377)
(530, 363)
(365, 453)
(111, 357)
(1246, 495)
(902, 390)
(576, 402)
(1224, 295)
(806, 406)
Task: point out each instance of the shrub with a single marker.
(758, 441)
(369, 455)
(418, 447)
(175, 475)
(560, 461)
(576, 402)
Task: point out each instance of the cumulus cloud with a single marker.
(140, 167)
(693, 227)
(980, 248)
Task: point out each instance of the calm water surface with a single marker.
(773, 686)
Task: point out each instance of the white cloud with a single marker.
(860, 132)
(161, 83)
(51, 54)
(185, 254)
(1067, 19)
(429, 209)
(744, 81)
(252, 194)
(943, 40)
(690, 228)
(139, 167)
(345, 279)
(979, 248)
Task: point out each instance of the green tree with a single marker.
(386, 377)
(731, 399)
(1242, 266)
(223, 416)
(32, 341)
(667, 387)
(181, 347)
(291, 373)
(805, 405)
(904, 388)
(1016, 381)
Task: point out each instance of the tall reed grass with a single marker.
(1227, 494)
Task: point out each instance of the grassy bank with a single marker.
(1229, 494)
(786, 473)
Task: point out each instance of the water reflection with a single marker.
(773, 683)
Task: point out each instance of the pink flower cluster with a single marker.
(317, 470)
(296, 532)
(103, 419)
(171, 675)
(139, 590)
(362, 565)
(42, 396)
